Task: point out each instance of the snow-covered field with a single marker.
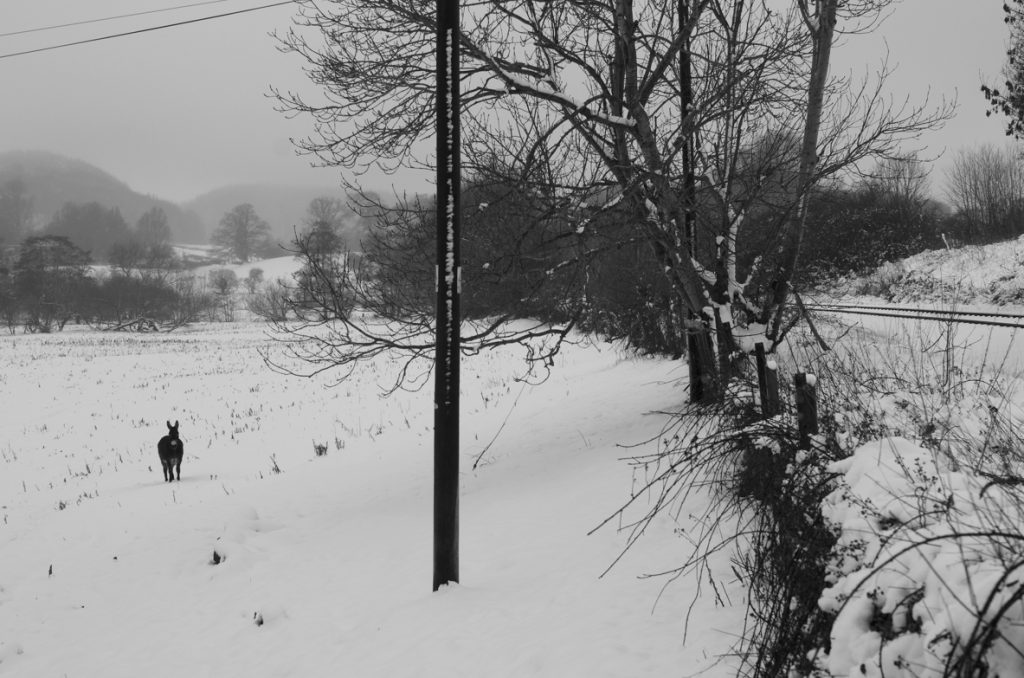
(278, 267)
(322, 564)
(268, 560)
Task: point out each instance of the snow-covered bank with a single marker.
(924, 577)
(927, 499)
(975, 279)
(323, 569)
(962, 277)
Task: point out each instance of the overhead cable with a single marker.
(144, 30)
(108, 18)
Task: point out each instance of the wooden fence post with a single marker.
(693, 360)
(723, 333)
(806, 399)
(767, 382)
(701, 362)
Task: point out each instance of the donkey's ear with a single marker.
(175, 423)
(169, 424)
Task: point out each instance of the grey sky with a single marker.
(178, 112)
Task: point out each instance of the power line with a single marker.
(144, 30)
(109, 18)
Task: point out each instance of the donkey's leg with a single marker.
(177, 466)
(167, 469)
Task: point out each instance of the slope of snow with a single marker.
(976, 279)
(274, 268)
(323, 568)
(974, 268)
(971, 275)
(924, 573)
(924, 554)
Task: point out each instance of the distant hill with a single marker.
(53, 180)
(283, 207)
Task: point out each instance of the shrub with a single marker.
(882, 281)
(764, 494)
(253, 280)
(223, 281)
(893, 545)
(271, 301)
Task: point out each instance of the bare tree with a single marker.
(985, 187)
(9, 310)
(242, 233)
(16, 212)
(152, 227)
(597, 106)
(51, 278)
(903, 179)
(271, 301)
(326, 210)
(843, 124)
(253, 279)
(324, 225)
(127, 255)
(224, 281)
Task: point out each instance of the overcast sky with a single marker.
(181, 111)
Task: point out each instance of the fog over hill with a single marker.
(283, 207)
(53, 180)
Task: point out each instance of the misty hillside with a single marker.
(283, 207)
(53, 180)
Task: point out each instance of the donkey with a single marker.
(171, 451)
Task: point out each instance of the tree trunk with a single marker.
(700, 355)
(686, 135)
(821, 24)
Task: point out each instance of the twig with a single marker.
(480, 456)
(810, 322)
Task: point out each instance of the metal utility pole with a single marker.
(446, 361)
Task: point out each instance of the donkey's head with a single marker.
(172, 431)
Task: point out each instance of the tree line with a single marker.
(517, 242)
(50, 276)
(48, 281)
(521, 245)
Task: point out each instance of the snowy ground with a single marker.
(977, 272)
(278, 267)
(930, 526)
(985, 279)
(994, 350)
(107, 571)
